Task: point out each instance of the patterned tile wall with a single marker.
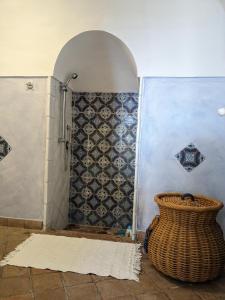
(4, 148)
(103, 158)
(190, 157)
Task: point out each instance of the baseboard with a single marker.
(21, 223)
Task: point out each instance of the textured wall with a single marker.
(22, 124)
(174, 113)
(103, 158)
(167, 38)
(57, 160)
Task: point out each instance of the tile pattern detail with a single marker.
(4, 148)
(103, 158)
(190, 157)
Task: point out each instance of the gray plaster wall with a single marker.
(174, 113)
(22, 124)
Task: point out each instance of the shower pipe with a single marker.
(136, 185)
(64, 87)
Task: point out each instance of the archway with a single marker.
(102, 61)
(104, 125)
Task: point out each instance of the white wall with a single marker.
(102, 61)
(22, 124)
(167, 38)
(57, 160)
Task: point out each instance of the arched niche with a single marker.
(102, 61)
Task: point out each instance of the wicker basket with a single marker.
(186, 242)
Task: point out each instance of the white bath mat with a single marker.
(80, 255)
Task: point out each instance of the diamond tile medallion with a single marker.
(103, 158)
(4, 148)
(190, 157)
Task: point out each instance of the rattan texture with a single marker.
(187, 243)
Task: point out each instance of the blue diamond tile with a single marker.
(190, 157)
(4, 148)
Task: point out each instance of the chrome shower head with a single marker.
(72, 76)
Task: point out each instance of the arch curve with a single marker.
(102, 61)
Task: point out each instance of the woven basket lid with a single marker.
(188, 202)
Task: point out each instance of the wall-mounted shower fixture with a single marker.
(64, 87)
(29, 85)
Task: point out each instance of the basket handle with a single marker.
(187, 195)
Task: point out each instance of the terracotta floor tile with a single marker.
(112, 288)
(12, 244)
(145, 284)
(14, 286)
(164, 282)
(212, 296)
(20, 297)
(58, 294)
(182, 293)
(45, 282)
(12, 271)
(35, 271)
(153, 296)
(97, 278)
(2, 251)
(70, 278)
(83, 292)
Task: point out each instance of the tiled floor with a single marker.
(28, 283)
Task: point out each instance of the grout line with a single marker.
(31, 281)
(65, 290)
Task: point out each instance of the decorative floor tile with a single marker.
(4, 148)
(190, 157)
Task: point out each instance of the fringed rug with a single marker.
(80, 255)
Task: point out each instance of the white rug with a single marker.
(81, 255)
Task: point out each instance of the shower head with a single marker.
(72, 76)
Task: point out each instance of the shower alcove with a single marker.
(93, 183)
